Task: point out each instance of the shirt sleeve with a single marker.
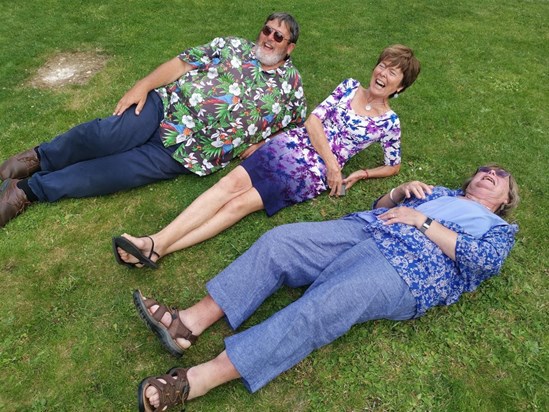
(200, 56)
(391, 142)
(481, 258)
(343, 89)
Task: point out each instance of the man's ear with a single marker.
(290, 48)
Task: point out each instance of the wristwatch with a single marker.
(426, 225)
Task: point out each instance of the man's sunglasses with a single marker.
(499, 172)
(278, 37)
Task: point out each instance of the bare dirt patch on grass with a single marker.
(65, 69)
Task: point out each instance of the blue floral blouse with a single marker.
(435, 279)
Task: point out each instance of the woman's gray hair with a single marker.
(290, 22)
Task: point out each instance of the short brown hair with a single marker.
(290, 23)
(403, 58)
(513, 195)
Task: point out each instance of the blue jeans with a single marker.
(106, 155)
(349, 281)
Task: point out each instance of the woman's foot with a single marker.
(191, 383)
(168, 324)
(135, 251)
(162, 392)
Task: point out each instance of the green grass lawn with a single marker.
(70, 339)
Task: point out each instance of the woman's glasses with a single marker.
(278, 37)
(499, 172)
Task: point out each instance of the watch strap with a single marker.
(426, 225)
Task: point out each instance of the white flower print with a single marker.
(188, 121)
(218, 42)
(190, 160)
(234, 89)
(299, 93)
(174, 98)
(207, 165)
(196, 99)
(276, 108)
(266, 133)
(286, 121)
(236, 62)
(286, 88)
(212, 73)
(188, 140)
(218, 143)
(235, 42)
(252, 129)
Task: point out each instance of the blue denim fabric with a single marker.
(350, 282)
(106, 155)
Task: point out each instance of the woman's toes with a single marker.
(126, 257)
(152, 395)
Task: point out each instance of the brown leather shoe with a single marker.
(13, 201)
(20, 166)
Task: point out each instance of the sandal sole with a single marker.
(129, 247)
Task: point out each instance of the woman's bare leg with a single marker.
(202, 209)
(227, 216)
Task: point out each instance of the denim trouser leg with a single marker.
(292, 255)
(103, 137)
(356, 285)
(106, 155)
(145, 164)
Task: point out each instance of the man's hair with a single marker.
(403, 58)
(290, 22)
(513, 195)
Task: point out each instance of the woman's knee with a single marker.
(236, 181)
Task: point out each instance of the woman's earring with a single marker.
(395, 95)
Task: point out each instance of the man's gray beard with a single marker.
(268, 60)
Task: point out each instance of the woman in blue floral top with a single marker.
(421, 246)
(296, 165)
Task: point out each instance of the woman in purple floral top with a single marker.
(296, 165)
(421, 246)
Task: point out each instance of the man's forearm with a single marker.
(165, 73)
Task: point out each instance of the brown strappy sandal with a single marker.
(174, 392)
(167, 335)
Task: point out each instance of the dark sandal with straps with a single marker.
(167, 335)
(174, 392)
(128, 246)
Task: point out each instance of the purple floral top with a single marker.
(435, 279)
(291, 162)
(226, 103)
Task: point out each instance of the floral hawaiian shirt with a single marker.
(433, 278)
(215, 111)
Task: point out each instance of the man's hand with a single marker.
(136, 95)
